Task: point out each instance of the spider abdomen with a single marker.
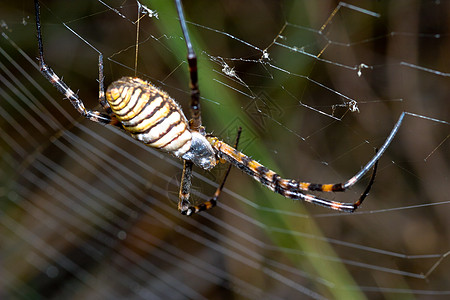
(150, 115)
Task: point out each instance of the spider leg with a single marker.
(341, 206)
(368, 187)
(291, 188)
(185, 188)
(196, 119)
(101, 95)
(62, 87)
(294, 189)
(196, 122)
(101, 86)
(213, 201)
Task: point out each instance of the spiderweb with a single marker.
(86, 212)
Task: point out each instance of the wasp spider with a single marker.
(151, 116)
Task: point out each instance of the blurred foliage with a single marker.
(58, 244)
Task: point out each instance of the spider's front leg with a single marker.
(184, 205)
(200, 153)
(291, 188)
(195, 110)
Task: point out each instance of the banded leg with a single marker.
(368, 187)
(62, 87)
(196, 120)
(213, 201)
(291, 188)
(185, 188)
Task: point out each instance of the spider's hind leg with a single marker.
(62, 87)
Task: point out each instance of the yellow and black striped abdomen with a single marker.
(150, 115)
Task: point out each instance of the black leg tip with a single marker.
(188, 211)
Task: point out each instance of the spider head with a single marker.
(201, 153)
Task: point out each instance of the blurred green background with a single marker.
(88, 213)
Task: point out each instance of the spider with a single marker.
(152, 117)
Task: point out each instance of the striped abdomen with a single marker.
(150, 115)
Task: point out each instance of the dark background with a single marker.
(88, 213)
